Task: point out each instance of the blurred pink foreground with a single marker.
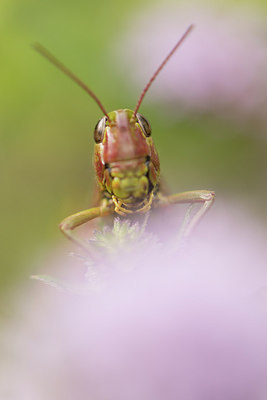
(164, 325)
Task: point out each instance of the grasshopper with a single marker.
(126, 163)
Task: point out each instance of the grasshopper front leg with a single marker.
(206, 197)
(73, 221)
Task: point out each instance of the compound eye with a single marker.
(100, 130)
(145, 125)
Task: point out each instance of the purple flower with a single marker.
(187, 325)
(219, 68)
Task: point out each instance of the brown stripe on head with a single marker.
(124, 141)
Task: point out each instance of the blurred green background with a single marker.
(47, 124)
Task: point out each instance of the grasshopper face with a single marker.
(125, 159)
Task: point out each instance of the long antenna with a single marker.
(44, 52)
(189, 29)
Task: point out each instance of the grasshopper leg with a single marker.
(73, 221)
(206, 197)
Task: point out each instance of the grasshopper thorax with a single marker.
(125, 159)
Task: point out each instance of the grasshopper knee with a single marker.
(212, 197)
(207, 195)
(65, 226)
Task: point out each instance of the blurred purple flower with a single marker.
(220, 68)
(187, 325)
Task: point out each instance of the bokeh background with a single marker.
(207, 108)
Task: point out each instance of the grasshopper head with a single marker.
(126, 161)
